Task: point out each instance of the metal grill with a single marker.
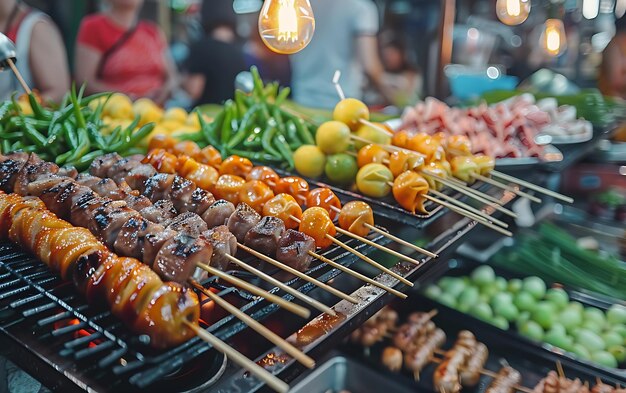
(41, 311)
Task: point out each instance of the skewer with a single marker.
(258, 327)
(336, 78)
(378, 246)
(357, 275)
(559, 369)
(401, 241)
(294, 308)
(364, 257)
(470, 215)
(376, 127)
(468, 207)
(19, 77)
(270, 379)
(301, 275)
(532, 186)
(299, 295)
(514, 190)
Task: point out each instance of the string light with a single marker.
(286, 26)
(512, 12)
(553, 38)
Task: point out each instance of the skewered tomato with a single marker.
(333, 137)
(295, 186)
(187, 148)
(401, 161)
(317, 223)
(459, 145)
(425, 144)
(255, 193)
(408, 189)
(353, 217)
(341, 168)
(162, 161)
(309, 161)
(485, 164)
(401, 139)
(165, 142)
(284, 206)
(463, 168)
(235, 165)
(205, 176)
(373, 180)
(228, 187)
(372, 134)
(371, 154)
(349, 111)
(265, 174)
(324, 198)
(210, 156)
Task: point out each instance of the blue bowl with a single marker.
(466, 87)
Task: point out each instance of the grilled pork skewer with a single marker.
(505, 382)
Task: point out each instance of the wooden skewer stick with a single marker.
(19, 77)
(292, 291)
(532, 186)
(270, 379)
(514, 190)
(301, 275)
(378, 246)
(468, 207)
(370, 261)
(465, 189)
(258, 327)
(477, 195)
(292, 307)
(470, 215)
(376, 127)
(357, 275)
(392, 237)
(363, 257)
(388, 148)
(559, 369)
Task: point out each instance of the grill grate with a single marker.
(33, 299)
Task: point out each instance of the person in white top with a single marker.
(41, 55)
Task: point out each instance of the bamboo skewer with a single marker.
(378, 246)
(299, 274)
(258, 327)
(19, 77)
(468, 208)
(270, 379)
(394, 238)
(376, 127)
(357, 275)
(470, 215)
(292, 307)
(364, 257)
(514, 190)
(532, 186)
(292, 291)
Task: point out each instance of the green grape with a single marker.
(558, 297)
(483, 275)
(535, 286)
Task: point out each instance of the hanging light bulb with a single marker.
(512, 12)
(286, 26)
(553, 39)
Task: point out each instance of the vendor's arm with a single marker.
(368, 55)
(48, 61)
(86, 67)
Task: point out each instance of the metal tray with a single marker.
(463, 267)
(340, 373)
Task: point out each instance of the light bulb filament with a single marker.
(287, 21)
(553, 40)
(513, 7)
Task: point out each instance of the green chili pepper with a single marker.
(69, 134)
(303, 132)
(39, 112)
(284, 149)
(292, 134)
(266, 140)
(245, 127)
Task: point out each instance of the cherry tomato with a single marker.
(284, 206)
(324, 198)
(353, 217)
(264, 174)
(235, 165)
(317, 223)
(255, 193)
(228, 187)
(295, 186)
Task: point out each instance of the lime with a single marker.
(531, 330)
(341, 168)
(619, 352)
(524, 301)
(482, 311)
(535, 286)
(558, 297)
(604, 358)
(483, 275)
(616, 315)
(544, 314)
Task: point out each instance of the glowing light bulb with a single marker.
(512, 12)
(286, 26)
(553, 39)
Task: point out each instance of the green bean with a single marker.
(284, 149)
(266, 141)
(4, 109)
(136, 137)
(282, 95)
(61, 159)
(54, 133)
(258, 91)
(96, 136)
(83, 145)
(292, 134)
(256, 156)
(12, 135)
(210, 130)
(253, 140)
(83, 162)
(245, 129)
(279, 121)
(227, 129)
(303, 132)
(34, 136)
(70, 135)
(40, 125)
(5, 146)
(39, 112)
(240, 100)
(80, 120)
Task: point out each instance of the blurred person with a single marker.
(345, 40)
(115, 51)
(41, 55)
(612, 76)
(271, 65)
(401, 76)
(216, 59)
